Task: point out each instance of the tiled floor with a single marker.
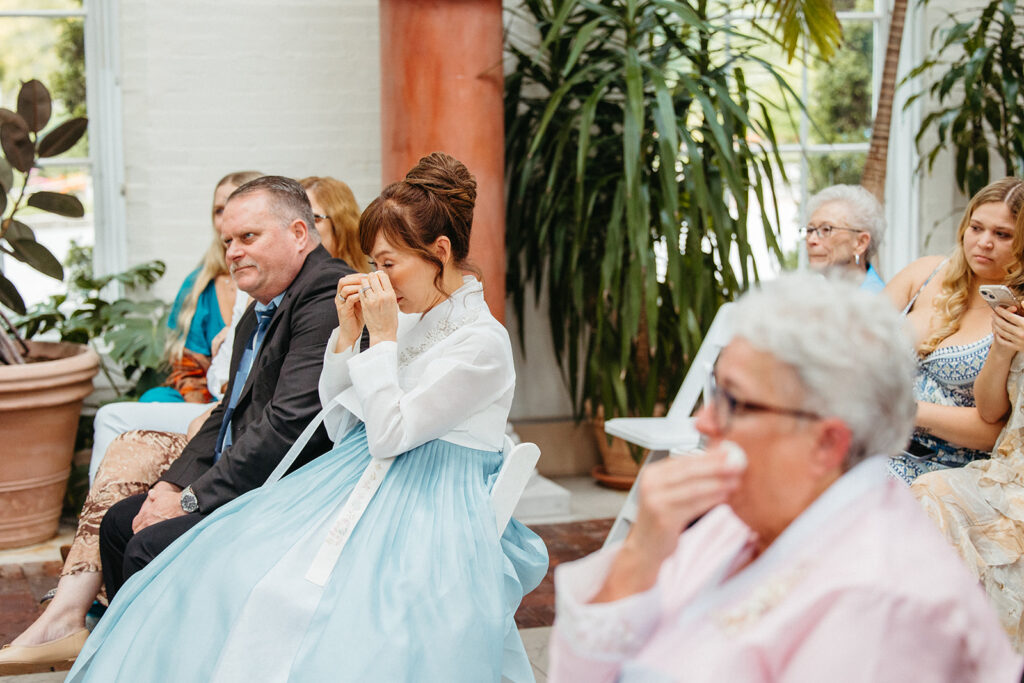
(26, 574)
(565, 542)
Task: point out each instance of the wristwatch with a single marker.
(189, 502)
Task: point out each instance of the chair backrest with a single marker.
(517, 465)
(714, 341)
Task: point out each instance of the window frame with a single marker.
(103, 104)
(901, 243)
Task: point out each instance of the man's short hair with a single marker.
(288, 200)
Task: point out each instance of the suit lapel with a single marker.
(313, 259)
(268, 340)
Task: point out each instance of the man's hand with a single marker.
(163, 502)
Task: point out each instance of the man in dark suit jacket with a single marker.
(275, 256)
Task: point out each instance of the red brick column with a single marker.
(441, 90)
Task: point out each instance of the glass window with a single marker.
(44, 39)
(827, 143)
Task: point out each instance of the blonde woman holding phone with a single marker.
(952, 325)
(980, 507)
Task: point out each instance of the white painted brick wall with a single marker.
(287, 88)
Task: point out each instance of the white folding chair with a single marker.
(677, 429)
(518, 461)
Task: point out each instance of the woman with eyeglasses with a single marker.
(844, 231)
(337, 219)
(809, 563)
(952, 325)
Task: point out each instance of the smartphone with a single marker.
(918, 451)
(999, 295)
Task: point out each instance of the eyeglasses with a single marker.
(724, 405)
(822, 231)
(320, 217)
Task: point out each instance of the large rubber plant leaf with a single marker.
(37, 256)
(9, 296)
(17, 146)
(34, 105)
(63, 137)
(6, 176)
(19, 231)
(8, 116)
(55, 202)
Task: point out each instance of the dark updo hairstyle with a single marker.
(434, 199)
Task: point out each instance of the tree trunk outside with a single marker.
(873, 177)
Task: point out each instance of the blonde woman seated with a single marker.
(952, 326)
(811, 563)
(337, 219)
(980, 507)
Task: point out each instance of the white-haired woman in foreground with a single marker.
(810, 563)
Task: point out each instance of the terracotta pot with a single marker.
(619, 469)
(39, 407)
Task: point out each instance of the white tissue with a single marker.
(734, 454)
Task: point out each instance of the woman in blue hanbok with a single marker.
(380, 560)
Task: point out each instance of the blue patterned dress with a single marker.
(945, 377)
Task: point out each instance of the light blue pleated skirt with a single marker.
(424, 590)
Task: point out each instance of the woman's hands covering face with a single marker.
(379, 307)
(350, 314)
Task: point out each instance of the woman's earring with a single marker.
(856, 259)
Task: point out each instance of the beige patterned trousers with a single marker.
(133, 463)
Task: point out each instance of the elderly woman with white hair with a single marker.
(844, 232)
(806, 561)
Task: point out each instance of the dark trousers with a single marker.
(123, 552)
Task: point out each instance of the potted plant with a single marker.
(978, 64)
(42, 384)
(637, 155)
(128, 334)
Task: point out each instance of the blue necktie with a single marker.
(242, 374)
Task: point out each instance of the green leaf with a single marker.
(37, 256)
(8, 116)
(579, 43)
(19, 231)
(10, 297)
(55, 202)
(17, 146)
(34, 105)
(6, 176)
(63, 137)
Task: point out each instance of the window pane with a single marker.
(52, 231)
(28, 5)
(837, 168)
(50, 50)
(765, 87)
(854, 5)
(840, 95)
(788, 198)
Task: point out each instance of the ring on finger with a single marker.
(364, 290)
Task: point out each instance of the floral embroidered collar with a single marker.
(463, 306)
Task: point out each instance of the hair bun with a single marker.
(445, 176)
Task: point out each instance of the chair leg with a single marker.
(627, 515)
